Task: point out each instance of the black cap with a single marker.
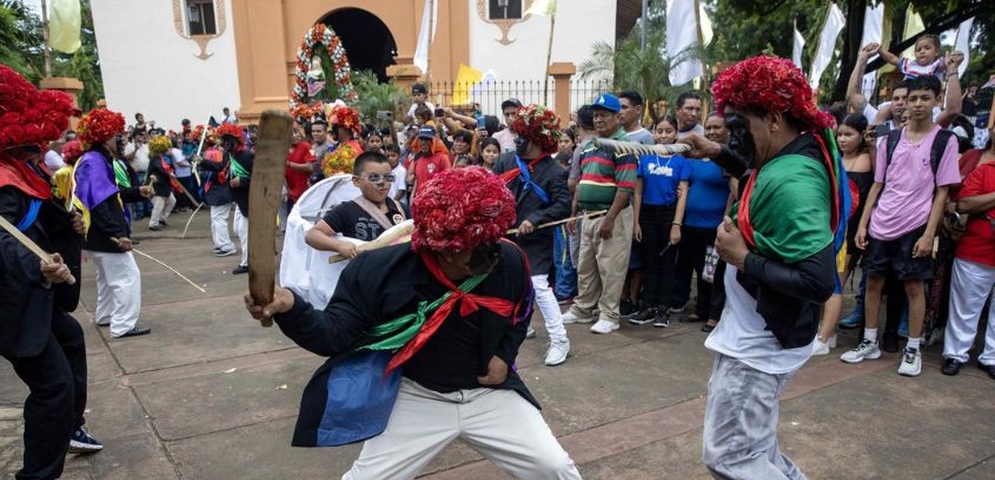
(419, 88)
(511, 102)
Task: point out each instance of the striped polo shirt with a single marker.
(603, 174)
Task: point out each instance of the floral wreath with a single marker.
(159, 145)
(538, 124)
(99, 126)
(319, 35)
(211, 139)
(231, 130)
(339, 160)
(344, 117)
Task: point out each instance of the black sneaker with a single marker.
(662, 320)
(81, 442)
(240, 270)
(951, 367)
(645, 316)
(627, 309)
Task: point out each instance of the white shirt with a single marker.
(400, 180)
(140, 162)
(742, 334)
(411, 111)
(180, 164)
(506, 138)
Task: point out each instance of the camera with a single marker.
(385, 115)
(440, 113)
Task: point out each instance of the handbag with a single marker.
(359, 398)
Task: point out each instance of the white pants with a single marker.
(242, 230)
(970, 285)
(219, 227)
(550, 308)
(119, 290)
(161, 208)
(498, 424)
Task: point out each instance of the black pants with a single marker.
(659, 256)
(56, 378)
(691, 260)
(189, 183)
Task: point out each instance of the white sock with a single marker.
(913, 343)
(871, 334)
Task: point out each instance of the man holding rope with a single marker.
(446, 314)
(540, 189)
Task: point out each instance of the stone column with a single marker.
(561, 73)
(404, 73)
(262, 62)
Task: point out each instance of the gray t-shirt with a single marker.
(642, 136)
(697, 128)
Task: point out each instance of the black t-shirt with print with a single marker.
(351, 220)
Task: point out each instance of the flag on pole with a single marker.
(542, 7)
(827, 44)
(682, 34)
(799, 47)
(64, 26)
(429, 18)
(706, 25)
(963, 44)
(873, 33)
(913, 26)
(466, 79)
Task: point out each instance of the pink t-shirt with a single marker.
(907, 197)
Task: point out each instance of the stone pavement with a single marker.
(211, 395)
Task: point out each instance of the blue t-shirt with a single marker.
(660, 177)
(707, 196)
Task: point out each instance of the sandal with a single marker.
(708, 327)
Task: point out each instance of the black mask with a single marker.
(740, 138)
(521, 146)
(228, 143)
(483, 258)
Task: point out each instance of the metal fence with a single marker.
(489, 95)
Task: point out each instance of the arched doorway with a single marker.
(367, 40)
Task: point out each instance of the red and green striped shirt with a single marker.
(603, 174)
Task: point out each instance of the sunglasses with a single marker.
(377, 178)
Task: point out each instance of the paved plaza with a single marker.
(212, 395)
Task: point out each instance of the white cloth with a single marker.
(219, 227)
(426, 33)
(873, 29)
(161, 208)
(835, 21)
(798, 49)
(970, 284)
(498, 424)
(742, 334)
(682, 34)
(550, 308)
(963, 44)
(241, 225)
(119, 290)
(400, 180)
(53, 161)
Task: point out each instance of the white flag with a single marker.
(682, 33)
(796, 52)
(873, 28)
(542, 7)
(827, 44)
(963, 44)
(421, 51)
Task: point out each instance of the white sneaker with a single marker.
(557, 352)
(911, 365)
(530, 333)
(865, 350)
(823, 348)
(604, 326)
(573, 317)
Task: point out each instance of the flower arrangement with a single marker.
(159, 145)
(29, 116)
(99, 126)
(460, 209)
(320, 35)
(538, 124)
(338, 161)
(199, 130)
(344, 117)
(770, 84)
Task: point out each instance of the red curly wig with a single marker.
(770, 84)
(231, 130)
(98, 126)
(538, 124)
(29, 116)
(460, 209)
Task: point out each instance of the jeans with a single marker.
(659, 255)
(691, 260)
(566, 274)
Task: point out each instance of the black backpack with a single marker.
(935, 150)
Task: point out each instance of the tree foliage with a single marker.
(373, 96)
(21, 48)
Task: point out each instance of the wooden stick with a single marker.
(514, 231)
(31, 245)
(187, 226)
(171, 269)
(268, 172)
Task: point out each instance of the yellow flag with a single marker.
(913, 25)
(466, 79)
(64, 25)
(542, 7)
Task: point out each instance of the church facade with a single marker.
(175, 59)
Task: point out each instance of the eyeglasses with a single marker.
(377, 178)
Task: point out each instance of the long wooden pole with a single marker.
(46, 51)
(549, 57)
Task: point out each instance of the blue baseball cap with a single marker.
(426, 132)
(607, 101)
